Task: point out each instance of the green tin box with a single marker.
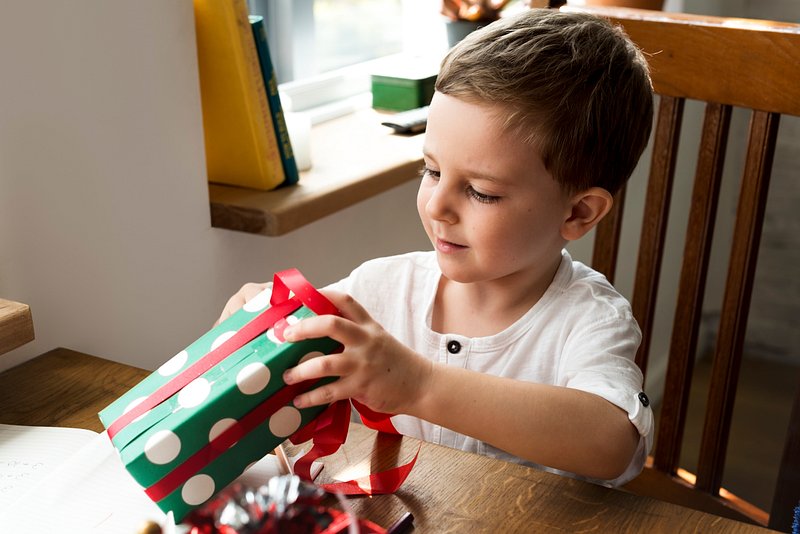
(171, 450)
(401, 89)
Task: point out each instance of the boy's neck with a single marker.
(482, 309)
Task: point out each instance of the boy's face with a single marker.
(488, 205)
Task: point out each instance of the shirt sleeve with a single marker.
(599, 359)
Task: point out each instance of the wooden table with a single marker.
(448, 490)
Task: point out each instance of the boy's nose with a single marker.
(440, 205)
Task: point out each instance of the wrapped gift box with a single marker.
(190, 446)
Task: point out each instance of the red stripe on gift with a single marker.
(203, 457)
(245, 335)
(328, 431)
(280, 306)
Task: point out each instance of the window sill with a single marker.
(353, 158)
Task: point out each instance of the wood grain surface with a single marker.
(63, 388)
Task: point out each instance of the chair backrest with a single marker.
(725, 63)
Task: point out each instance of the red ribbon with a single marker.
(327, 431)
(207, 454)
(247, 333)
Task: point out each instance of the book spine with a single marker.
(241, 144)
(271, 83)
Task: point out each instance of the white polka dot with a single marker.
(259, 302)
(198, 490)
(174, 364)
(275, 334)
(275, 337)
(162, 447)
(194, 393)
(219, 427)
(133, 405)
(253, 378)
(310, 355)
(285, 421)
(222, 338)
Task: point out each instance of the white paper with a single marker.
(28, 453)
(89, 491)
(74, 482)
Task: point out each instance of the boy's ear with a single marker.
(588, 208)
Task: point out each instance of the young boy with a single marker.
(497, 342)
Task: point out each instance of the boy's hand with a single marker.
(374, 368)
(247, 292)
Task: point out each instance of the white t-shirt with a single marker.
(580, 334)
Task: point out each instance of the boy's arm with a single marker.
(559, 427)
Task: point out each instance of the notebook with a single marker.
(71, 480)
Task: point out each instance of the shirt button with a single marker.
(453, 347)
(643, 399)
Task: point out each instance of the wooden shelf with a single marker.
(353, 158)
(16, 325)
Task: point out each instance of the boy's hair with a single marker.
(575, 87)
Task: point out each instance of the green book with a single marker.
(271, 85)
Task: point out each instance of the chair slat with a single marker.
(749, 64)
(736, 302)
(697, 250)
(606, 240)
(654, 226)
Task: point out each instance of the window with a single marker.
(322, 48)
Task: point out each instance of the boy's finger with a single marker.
(315, 368)
(340, 329)
(350, 307)
(319, 396)
(233, 304)
(247, 292)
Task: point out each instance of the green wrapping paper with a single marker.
(163, 438)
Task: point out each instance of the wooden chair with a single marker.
(725, 63)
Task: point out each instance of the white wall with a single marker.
(104, 214)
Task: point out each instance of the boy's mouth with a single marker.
(448, 246)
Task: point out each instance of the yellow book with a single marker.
(241, 146)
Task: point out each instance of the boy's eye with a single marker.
(481, 197)
(427, 171)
